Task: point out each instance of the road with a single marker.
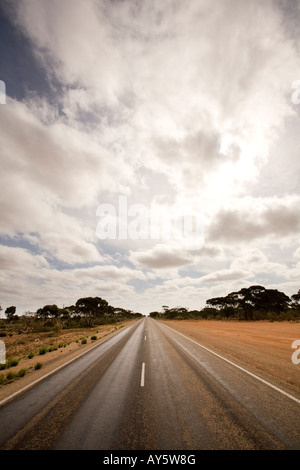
(150, 388)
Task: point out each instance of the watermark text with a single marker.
(2, 92)
(2, 353)
(296, 93)
(296, 354)
(138, 222)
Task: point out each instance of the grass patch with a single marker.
(43, 350)
(10, 376)
(22, 372)
(13, 362)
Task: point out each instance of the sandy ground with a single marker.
(263, 348)
(18, 346)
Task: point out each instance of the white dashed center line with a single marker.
(143, 375)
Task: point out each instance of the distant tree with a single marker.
(48, 311)
(296, 298)
(252, 298)
(195, 314)
(228, 312)
(10, 312)
(272, 300)
(207, 312)
(26, 321)
(218, 304)
(121, 312)
(65, 313)
(248, 299)
(175, 312)
(154, 314)
(71, 311)
(93, 307)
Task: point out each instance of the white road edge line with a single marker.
(143, 375)
(238, 367)
(10, 397)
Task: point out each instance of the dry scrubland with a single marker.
(61, 347)
(262, 347)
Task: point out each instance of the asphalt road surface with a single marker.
(150, 388)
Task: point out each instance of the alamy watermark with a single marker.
(296, 354)
(2, 92)
(139, 222)
(296, 93)
(2, 353)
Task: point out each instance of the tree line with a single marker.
(251, 303)
(86, 312)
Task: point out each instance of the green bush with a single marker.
(22, 372)
(38, 365)
(30, 355)
(10, 376)
(93, 338)
(83, 341)
(43, 350)
(11, 363)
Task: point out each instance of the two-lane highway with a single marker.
(150, 387)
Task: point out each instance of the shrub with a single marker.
(22, 372)
(38, 365)
(43, 350)
(10, 376)
(83, 341)
(12, 363)
(30, 355)
(93, 338)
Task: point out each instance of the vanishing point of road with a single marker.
(150, 387)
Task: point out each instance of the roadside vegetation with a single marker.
(38, 335)
(87, 312)
(252, 303)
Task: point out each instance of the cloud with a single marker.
(226, 275)
(109, 272)
(256, 218)
(160, 257)
(16, 259)
(47, 170)
(76, 40)
(66, 164)
(296, 254)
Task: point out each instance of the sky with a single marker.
(149, 151)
